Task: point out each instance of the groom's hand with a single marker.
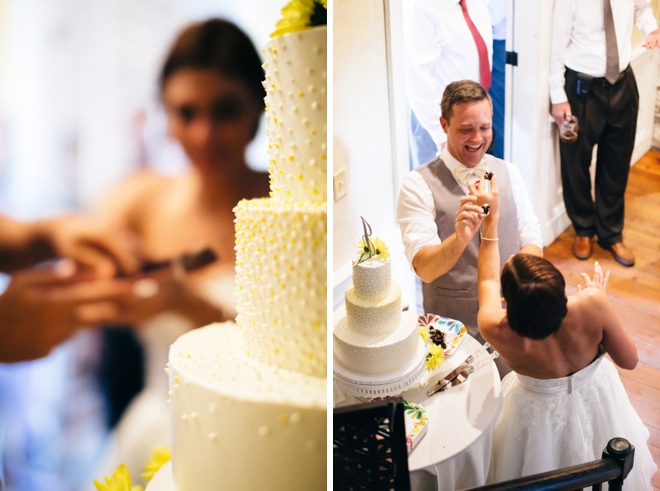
(468, 218)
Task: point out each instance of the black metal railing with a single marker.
(613, 468)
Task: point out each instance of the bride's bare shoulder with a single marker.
(589, 298)
(587, 308)
(146, 181)
(136, 193)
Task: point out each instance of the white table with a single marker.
(455, 451)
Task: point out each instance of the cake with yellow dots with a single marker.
(377, 349)
(248, 399)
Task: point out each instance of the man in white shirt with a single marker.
(439, 48)
(606, 104)
(436, 214)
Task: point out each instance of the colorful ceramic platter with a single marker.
(454, 330)
(416, 421)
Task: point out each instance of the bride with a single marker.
(212, 92)
(564, 399)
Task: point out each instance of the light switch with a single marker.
(340, 183)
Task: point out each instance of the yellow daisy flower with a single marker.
(381, 248)
(435, 357)
(382, 251)
(120, 480)
(159, 456)
(424, 332)
(301, 14)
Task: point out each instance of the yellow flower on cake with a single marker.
(301, 14)
(382, 251)
(435, 357)
(159, 456)
(120, 480)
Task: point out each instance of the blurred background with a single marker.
(79, 111)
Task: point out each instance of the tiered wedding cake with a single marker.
(377, 347)
(248, 399)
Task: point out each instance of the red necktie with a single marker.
(484, 65)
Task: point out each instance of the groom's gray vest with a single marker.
(454, 294)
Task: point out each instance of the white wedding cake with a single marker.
(377, 347)
(248, 400)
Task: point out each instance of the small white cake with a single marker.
(376, 343)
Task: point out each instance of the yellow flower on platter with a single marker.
(301, 14)
(159, 456)
(120, 480)
(424, 332)
(435, 357)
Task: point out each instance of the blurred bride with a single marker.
(212, 93)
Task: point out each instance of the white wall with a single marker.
(363, 128)
(532, 145)
(645, 64)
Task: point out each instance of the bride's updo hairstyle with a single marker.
(535, 296)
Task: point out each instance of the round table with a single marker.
(454, 453)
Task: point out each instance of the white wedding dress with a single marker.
(550, 424)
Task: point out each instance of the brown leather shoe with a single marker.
(583, 247)
(622, 254)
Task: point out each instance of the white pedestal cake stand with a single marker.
(366, 387)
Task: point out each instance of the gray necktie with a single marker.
(612, 66)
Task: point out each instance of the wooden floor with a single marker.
(634, 291)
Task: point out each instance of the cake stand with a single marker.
(366, 387)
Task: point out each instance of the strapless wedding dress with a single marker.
(553, 423)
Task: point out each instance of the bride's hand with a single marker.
(600, 280)
(486, 197)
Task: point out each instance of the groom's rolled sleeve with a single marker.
(416, 216)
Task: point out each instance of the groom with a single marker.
(435, 213)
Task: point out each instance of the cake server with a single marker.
(447, 379)
(473, 367)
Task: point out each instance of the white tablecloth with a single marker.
(455, 451)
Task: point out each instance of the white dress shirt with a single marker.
(440, 49)
(498, 11)
(416, 210)
(578, 37)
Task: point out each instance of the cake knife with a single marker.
(185, 263)
(447, 379)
